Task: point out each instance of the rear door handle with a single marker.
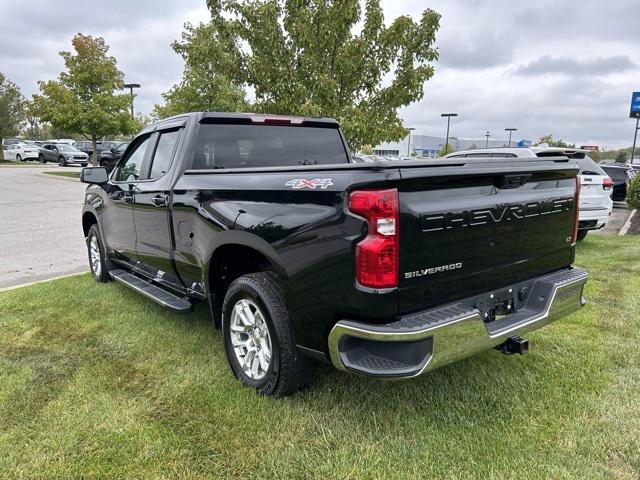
(159, 200)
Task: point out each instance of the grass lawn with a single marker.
(96, 381)
(64, 174)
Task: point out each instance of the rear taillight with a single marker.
(576, 212)
(607, 183)
(378, 253)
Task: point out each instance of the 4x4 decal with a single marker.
(300, 183)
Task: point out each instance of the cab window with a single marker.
(164, 153)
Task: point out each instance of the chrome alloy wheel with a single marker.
(94, 252)
(250, 339)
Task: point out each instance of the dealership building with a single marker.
(428, 146)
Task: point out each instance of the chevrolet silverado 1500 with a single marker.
(386, 269)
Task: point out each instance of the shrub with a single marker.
(633, 193)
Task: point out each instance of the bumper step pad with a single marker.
(151, 291)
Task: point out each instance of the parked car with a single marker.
(6, 142)
(621, 176)
(596, 205)
(21, 152)
(62, 153)
(385, 269)
(109, 158)
(68, 141)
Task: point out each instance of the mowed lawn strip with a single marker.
(96, 381)
(64, 174)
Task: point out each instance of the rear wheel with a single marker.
(18, 158)
(258, 337)
(582, 234)
(98, 261)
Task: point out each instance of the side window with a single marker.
(129, 170)
(164, 153)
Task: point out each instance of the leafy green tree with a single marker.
(621, 156)
(83, 99)
(201, 90)
(366, 150)
(633, 193)
(12, 110)
(549, 140)
(450, 149)
(333, 58)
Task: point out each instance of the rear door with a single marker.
(482, 225)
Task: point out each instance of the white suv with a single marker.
(595, 185)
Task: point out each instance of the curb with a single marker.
(627, 224)
(36, 282)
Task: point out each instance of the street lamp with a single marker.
(409, 141)
(486, 145)
(510, 130)
(131, 86)
(448, 115)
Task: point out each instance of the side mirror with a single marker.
(94, 175)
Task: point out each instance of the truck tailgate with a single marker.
(481, 226)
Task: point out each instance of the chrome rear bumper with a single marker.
(426, 340)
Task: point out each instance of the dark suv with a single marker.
(621, 176)
(108, 157)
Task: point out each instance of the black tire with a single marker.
(84, 164)
(289, 370)
(19, 158)
(105, 264)
(61, 161)
(582, 234)
(41, 158)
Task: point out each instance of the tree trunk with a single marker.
(94, 150)
(1, 150)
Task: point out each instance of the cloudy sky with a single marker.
(564, 67)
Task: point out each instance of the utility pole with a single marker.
(409, 141)
(510, 130)
(448, 115)
(486, 145)
(131, 86)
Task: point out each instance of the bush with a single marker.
(633, 193)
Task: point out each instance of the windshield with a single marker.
(63, 147)
(250, 146)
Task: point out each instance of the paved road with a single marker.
(616, 220)
(40, 227)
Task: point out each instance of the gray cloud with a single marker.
(492, 56)
(572, 66)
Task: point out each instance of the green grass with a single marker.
(64, 174)
(96, 381)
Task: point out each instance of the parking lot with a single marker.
(41, 235)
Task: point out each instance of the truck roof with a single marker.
(249, 118)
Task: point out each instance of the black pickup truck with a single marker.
(386, 269)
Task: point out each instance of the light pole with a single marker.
(510, 130)
(131, 86)
(409, 141)
(448, 115)
(486, 145)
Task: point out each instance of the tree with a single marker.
(201, 90)
(304, 58)
(549, 140)
(12, 110)
(83, 100)
(621, 156)
(366, 150)
(443, 152)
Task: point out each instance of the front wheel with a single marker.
(258, 337)
(98, 261)
(41, 158)
(582, 234)
(62, 162)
